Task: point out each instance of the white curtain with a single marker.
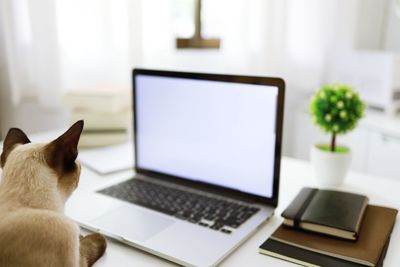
(56, 45)
(52, 46)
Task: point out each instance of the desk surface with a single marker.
(294, 175)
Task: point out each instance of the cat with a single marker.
(36, 181)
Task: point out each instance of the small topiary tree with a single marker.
(336, 109)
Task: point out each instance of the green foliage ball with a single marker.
(336, 108)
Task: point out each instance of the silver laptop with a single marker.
(207, 162)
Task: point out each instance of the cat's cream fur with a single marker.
(36, 181)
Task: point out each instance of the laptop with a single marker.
(207, 162)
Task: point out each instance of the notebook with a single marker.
(367, 250)
(307, 257)
(329, 212)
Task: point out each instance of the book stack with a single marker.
(106, 114)
(332, 228)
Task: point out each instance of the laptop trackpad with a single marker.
(133, 224)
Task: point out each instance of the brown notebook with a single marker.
(309, 258)
(374, 233)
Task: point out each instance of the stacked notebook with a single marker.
(106, 112)
(332, 228)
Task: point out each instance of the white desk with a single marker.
(294, 175)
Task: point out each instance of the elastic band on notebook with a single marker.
(299, 214)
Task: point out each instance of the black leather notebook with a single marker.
(329, 212)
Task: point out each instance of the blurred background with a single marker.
(50, 48)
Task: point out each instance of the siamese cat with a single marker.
(35, 183)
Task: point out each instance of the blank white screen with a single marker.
(220, 133)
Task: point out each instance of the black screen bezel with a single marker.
(270, 81)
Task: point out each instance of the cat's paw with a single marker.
(93, 247)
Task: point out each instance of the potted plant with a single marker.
(336, 109)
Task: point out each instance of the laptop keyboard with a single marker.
(212, 212)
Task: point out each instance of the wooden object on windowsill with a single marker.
(197, 41)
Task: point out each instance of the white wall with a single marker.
(371, 22)
(3, 85)
(392, 31)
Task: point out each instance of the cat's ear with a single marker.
(62, 152)
(14, 136)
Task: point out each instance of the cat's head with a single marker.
(42, 167)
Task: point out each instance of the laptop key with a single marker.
(179, 216)
(194, 220)
(216, 226)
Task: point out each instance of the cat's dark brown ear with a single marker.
(62, 152)
(14, 136)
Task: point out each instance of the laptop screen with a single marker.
(216, 132)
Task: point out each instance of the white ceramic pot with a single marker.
(330, 168)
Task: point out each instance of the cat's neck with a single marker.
(32, 192)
